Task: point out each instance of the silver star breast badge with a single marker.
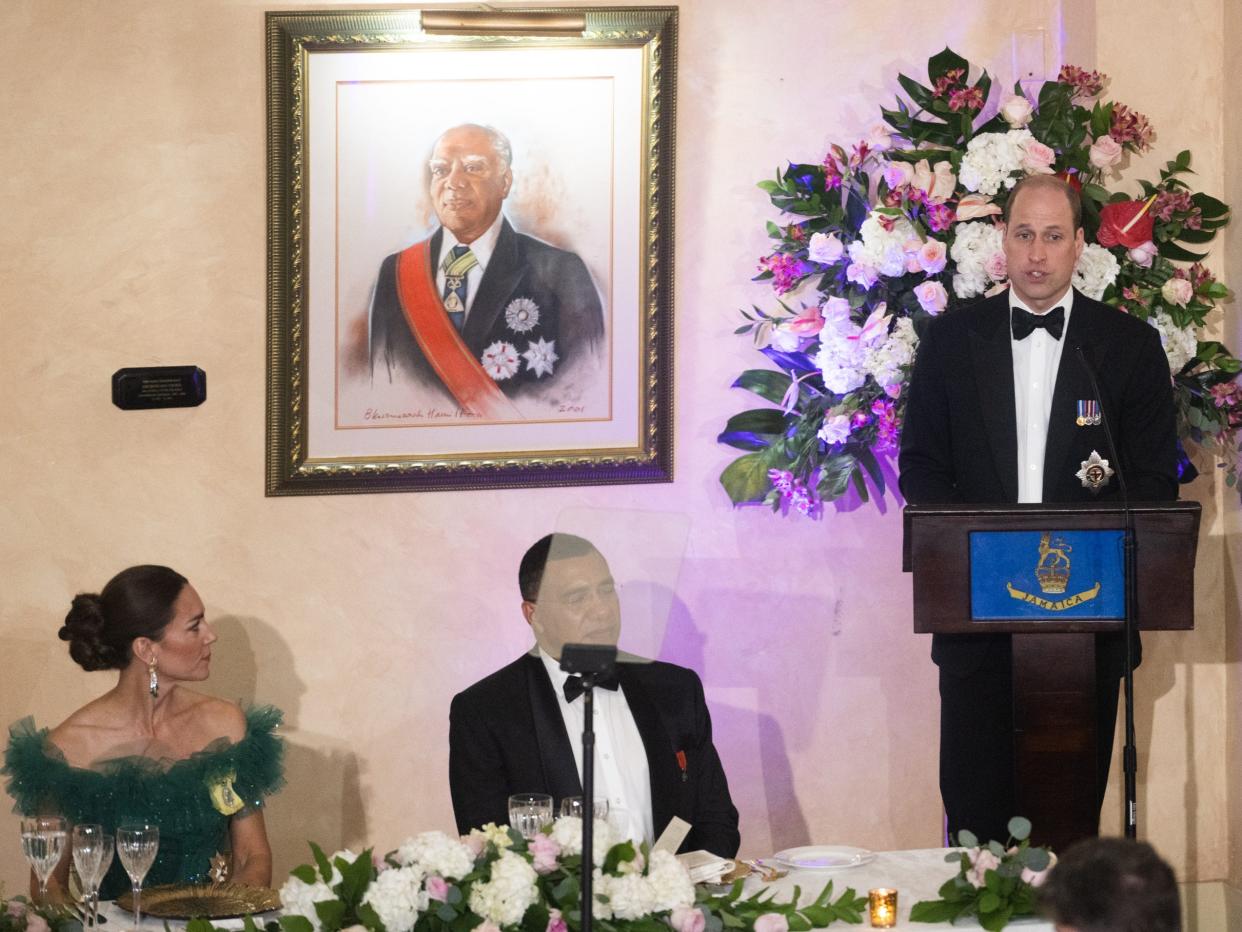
(1095, 472)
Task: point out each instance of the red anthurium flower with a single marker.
(1072, 180)
(1126, 223)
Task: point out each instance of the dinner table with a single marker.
(915, 874)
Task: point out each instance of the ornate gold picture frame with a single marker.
(470, 249)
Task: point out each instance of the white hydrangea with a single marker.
(630, 896)
(511, 891)
(437, 853)
(398, 897)
(670, 882)
(885, 361)
(1097, 269)
(1180, 343)
(991, 160)
(567, 832)
(881, 248)
(298, 898)
(973, 245)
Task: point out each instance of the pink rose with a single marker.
(1145, 254)
(771, 922)
(36, 923)
(1037, 878)
(1177, 291)
(556, 922)
(437, 888)
(1037, 158)
(16, 909)
(544, 851)
(996, 266)
(862, 274)
(932, 297)
(932, 256)
(836, 310)
(1016, 111)
(1105, 152)
(687, 919)
(982, 860)
(824, 248)
(898, 174)
(974, 206)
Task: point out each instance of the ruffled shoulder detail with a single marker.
(174, 794)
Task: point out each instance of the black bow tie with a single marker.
(1024, 322)
(573, 686)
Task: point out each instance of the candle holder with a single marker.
(883, 907)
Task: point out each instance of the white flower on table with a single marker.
(298, 898)
(511, 891)
(567, 832)
(398, 897)
(670, 882)
(437, 853)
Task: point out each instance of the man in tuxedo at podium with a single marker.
(519, 730)
(995, 414)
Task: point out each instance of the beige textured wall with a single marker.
(133, 234)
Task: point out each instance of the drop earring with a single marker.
(154, 679)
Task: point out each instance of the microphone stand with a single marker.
(591, 662)
(1130, 751)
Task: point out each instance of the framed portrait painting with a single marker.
(470, 226)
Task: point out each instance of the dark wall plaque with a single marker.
(142, 387)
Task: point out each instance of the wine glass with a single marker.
(529, 813)
(43, 843)
(92, 856)
(571, 806)
(137, 844)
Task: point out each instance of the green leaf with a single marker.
(321, 859)
(1210, 206)
(1036, 858)
(989, 902)
(834, 477)
(746, 478)
(617, 854)
(331, 914)
(355, 877)
(758, 421)
(966, 839)
(202, 925)
(918, 93)
(766, 383)
(1178, 254)
(942, 63)
(296, 924)
(1096, 193)
(933, 911)
(304, 873)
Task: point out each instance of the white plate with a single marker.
(823, 857)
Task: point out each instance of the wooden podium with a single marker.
(1054, 691)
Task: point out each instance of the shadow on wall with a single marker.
(322, 798)
(751, 743)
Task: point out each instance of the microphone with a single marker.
(1130, 752)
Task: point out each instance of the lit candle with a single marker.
(883, 908)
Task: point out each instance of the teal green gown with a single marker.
(177, 796)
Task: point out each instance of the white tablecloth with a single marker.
(915, 875)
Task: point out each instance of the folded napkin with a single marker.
(705, 867)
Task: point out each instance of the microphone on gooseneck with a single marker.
(1081, 353)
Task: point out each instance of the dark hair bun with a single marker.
(84, 630)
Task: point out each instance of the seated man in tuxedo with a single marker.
(994, 414)
(519, 730)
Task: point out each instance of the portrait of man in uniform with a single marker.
(480, 315)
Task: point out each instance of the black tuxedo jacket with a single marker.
(959, 442)
(520, 267)
(506, 736)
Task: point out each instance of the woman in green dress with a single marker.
(150, 749)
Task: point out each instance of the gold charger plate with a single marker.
(203, 901)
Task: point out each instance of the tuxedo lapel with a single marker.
(555, 752)
(1072, 385)
(661, 763)
(504, 271)
(992, 359)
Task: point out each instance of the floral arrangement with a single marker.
(493, 880)
(19, 915)
(995, 882)
(903, 225)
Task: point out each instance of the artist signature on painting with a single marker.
(571, 409)
(421, 414)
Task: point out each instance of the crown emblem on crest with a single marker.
(1053, 569)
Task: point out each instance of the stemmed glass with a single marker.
(529, 813)
(43, 843)
(92, 856)
(573, 806)
(137, 845)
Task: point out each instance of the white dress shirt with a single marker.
(1035, 363)
(483, 247)
(621, 773)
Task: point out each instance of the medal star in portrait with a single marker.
(500, 360)
(522, 315)
(539, 356)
